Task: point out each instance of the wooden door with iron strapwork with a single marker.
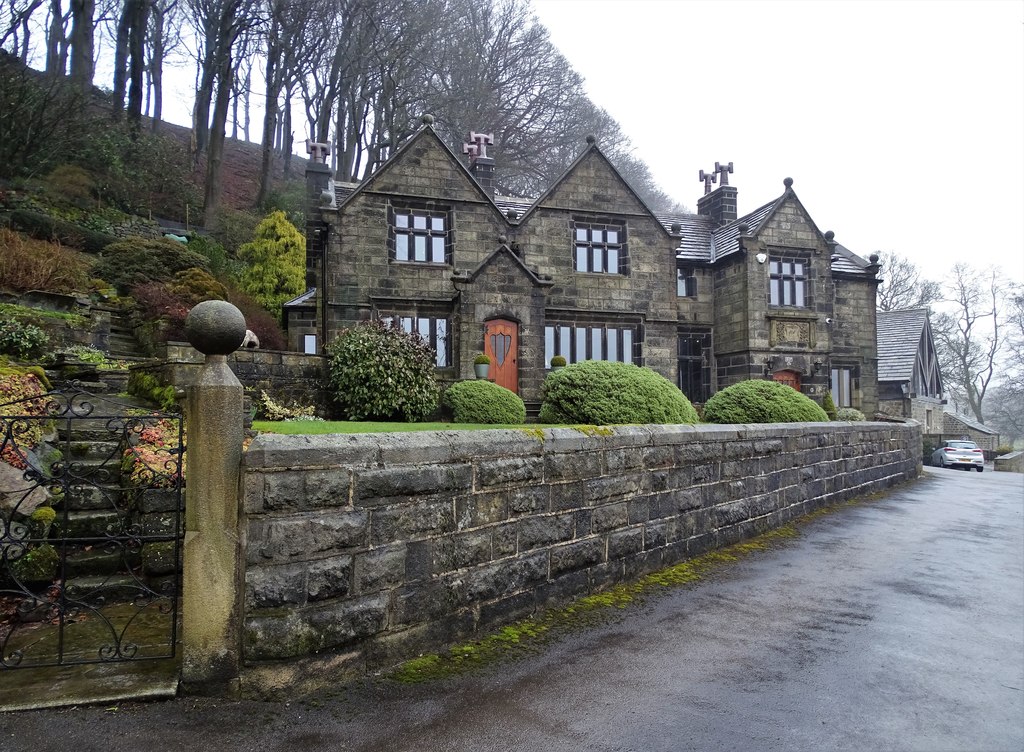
(789, 378)
(501, 345)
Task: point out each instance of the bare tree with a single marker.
(969, 336)
(81, 42)
(290, 42)
(1006, 411)
(165, 35)
(57, 40)
(903, 287)
(130, 59)
(15, 26)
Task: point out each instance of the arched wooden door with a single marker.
(501, 344)
(789, 378)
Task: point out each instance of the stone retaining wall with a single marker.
(364, 550)
(284, 375)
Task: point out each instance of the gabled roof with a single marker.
(700, 241)
(345, 194)
(899, 337)
(303, 299)
(503, 249)
(951, 416)
(591, 150)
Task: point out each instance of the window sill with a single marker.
(428, 264)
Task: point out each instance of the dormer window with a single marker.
(419, 235)
(599, 248)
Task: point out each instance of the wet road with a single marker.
(894, 624)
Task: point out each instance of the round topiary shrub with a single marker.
(850, 414)
(602, 393)
(379, 372)
(484, 402)
(762, 402)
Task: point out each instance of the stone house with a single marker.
(909, 380)
(956, 426)
(587, 271)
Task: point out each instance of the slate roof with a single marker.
(697, 242)
(302, 299)
(899, 336)
(950, 415)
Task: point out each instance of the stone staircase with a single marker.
(100, 505)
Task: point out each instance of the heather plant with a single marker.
(762, 402)
(30, 264)
(21, 394)
(481, 401)
(152, 459)
(129, 263)
(604, 393)
(379, 372)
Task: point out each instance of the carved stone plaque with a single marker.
(798, 333)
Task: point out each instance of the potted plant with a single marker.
(557, 363)
(481, 366)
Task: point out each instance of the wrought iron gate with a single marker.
(91, 529)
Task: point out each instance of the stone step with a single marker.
(92, 524)
(92, 498)
(98, 561)
(96, 589)
(94, 449)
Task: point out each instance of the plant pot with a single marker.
(481, 370)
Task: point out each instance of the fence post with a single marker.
(213, 565)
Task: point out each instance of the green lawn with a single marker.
(309, 427)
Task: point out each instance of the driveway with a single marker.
(895, 623)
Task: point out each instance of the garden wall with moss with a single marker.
(364, 550)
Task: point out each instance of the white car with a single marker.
(965, 454)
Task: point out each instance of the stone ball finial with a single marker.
(788, 182)
(591, 139)
(873, 258)
(830, 236)
(503, 239)
(744, 228)
(427, 119)
(215, 327)
(677, 228)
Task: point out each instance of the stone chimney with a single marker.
(719, 204)
(319, 194)
(480, 165)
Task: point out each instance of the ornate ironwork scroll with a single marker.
(91, 528)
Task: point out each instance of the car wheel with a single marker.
(981, 469)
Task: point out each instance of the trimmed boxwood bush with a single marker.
(484, 402)
(379, 372)
(762, 402)
(602, 393)
(850, 414)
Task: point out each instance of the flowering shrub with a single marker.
(21, 393)
(152, 458)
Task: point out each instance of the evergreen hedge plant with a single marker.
(762, 402)
(482, 401)
(598, 392)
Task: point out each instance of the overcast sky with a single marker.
(901, 122)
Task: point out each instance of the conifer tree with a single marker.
(274, 262)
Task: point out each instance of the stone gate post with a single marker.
(214, 542)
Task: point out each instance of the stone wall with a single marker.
(283, 375)
(363, 550)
